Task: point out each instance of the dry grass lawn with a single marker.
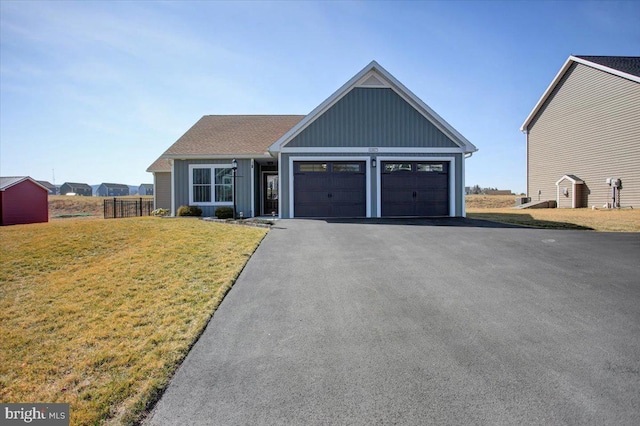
(99, 313)
(626, 220)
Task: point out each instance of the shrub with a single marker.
(160, 212)
(224, 212)
(189, 211)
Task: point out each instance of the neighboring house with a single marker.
(23, 200)
(145, 189)
(75, 188)
(372, 149)
(161, 170)
(112, 190)
(51, 188)
(498, 192)
(584, 130)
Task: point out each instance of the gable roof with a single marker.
(77, 185)
(622, 66)
(115, 185)
(374, 75)
(46, 184)
(231, 135)
(9, 181)
(146, 185)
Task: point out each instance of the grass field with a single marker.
(88, 207)
(498, 208)
(99, 313)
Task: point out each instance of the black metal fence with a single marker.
(126, 207)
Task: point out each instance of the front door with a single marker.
(270, 194)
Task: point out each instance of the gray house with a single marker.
(112, 190)
(145, 189)
(583, 135)
(81, 189)
(50, 187)
(372, 149)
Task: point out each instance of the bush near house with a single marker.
(224, 213)
(189, 211)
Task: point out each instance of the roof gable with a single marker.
(9, 181)
(77, 185)
(626, 67)
(231, 135)
(374, 76)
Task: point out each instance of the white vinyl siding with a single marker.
(589, 127)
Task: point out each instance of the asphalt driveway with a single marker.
(446, 322)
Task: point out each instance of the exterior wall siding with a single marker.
(162, 190)
(373, 178)
(243, 189)
(368, 117)
(589, 127)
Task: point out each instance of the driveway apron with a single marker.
(443, 322)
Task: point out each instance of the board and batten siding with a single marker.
(588, 127)
(243, 190)
(368, 117)
(162, 190)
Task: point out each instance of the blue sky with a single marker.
(98, 90)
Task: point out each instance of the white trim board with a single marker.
(452, 179)
(366, 160)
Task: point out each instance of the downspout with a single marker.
(464, 194)
(526, 133)
(173, 187)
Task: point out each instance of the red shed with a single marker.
(23, 200)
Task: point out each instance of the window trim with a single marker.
(213, 168)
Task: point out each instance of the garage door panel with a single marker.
(333, 189)
(415, 189)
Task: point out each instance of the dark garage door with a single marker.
(329, 189)
(418, 188)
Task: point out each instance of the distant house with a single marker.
(145, 189)
(498, 192)
(583, 135)
(112, 190)
(51, 188)
(81, 189)
(23, 200)
(161, 170)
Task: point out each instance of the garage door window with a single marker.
(347, 167)
(430, 167)
(397, 167)
(312, 167)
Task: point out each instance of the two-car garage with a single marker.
(339, 188)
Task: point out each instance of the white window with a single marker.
(210, 184)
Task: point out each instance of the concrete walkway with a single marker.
(445, 322)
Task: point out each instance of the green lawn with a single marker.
(99, 313)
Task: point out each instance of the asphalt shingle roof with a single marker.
(627, 64)
(232, 135)
(7, 181)
(160, 165)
